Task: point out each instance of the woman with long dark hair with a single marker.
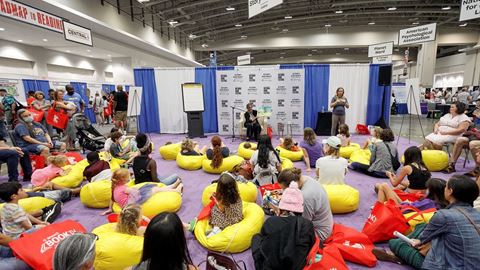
(217, 152)
(266, 162)
(164, 245)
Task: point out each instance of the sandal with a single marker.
(450, 169)
(386, 256)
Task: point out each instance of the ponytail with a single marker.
(217, 157)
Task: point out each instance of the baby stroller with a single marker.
(88, 137)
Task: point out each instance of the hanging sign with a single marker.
(380, 49)
(27, 14)
(243, 60)
(256, 7)
(213, 59)
(469, 10)
(386, 59)
(77, 33)
(419, 34)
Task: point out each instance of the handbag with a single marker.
(362, 129)
(58, 119)
(331, 258)
(395, 162)
(37, 248)
(37, 114)
(384, 219)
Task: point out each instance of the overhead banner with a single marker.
(387, 59)
(419, 34)
(27, 14)
(469, 10)
(277, 94)
(77, 33)
(256, 7)
(243, 60)
(380, 49)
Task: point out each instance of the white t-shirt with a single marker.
(331, 170)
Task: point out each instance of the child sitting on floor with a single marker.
(191, 148)
(289, 144)
(118, 151)
(13, 218)
(129, 220)
(41, 177)
(248, 145)
(344, 134)
(228, 209)
(124, 195)
(97, 169)
(375, 133)
(131, 146)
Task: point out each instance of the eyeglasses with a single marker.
(90, 249)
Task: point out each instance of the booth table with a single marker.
(324, 124)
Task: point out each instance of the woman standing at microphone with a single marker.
(338, 104)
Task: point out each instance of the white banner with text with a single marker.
(256, 7)
(27, 14)
(419, 34)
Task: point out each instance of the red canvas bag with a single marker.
(269, 187)
(384, 219)
(58, 119)
(331, 258)
(36, 114)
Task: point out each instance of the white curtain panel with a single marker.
(169, 91)
(354, 78)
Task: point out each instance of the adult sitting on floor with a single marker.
(11, 156)
(32, 137)
(7, 259)
(383, 153)
(448, 128)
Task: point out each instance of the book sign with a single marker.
(469, 10)
(381, 49)
(419, 34)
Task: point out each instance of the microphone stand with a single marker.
(233, 121)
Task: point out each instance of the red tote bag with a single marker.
(384, 219)
(269, 187)
(353, 245)
(407, 196)
(36, 249)
(37, 115)
(331, 258)
(57, 119)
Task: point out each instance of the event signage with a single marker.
(469, 10)
(77, 33)
(387, 59)
(380, 49)
(243, 60)
(419, 34)
(256, 7)
(30, 15)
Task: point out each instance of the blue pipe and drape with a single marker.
(377, 93)
(149, 120)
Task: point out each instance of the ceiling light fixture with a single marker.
(192, 36)
(90, 55)
(314, 50)
(2, 29)
(283, 53)
(204, 45)
(68, 50)
(392, 8)
(371, 23)
(285, 30)
(20, 40)
(230, 8)
(309, 54)
(45, 40)
(346, 49)
(88, 50)
(415, 23)
(172, 22)
(446, 8)
(463, 25)
(238, 25)
(109, 55)
(339, 11)
(337, 53)
(243, 36)
(281, 57)
(288, 17)
(143, 1)
(328, 25)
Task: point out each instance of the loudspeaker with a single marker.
(385, 75)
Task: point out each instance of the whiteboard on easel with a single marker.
(134, 100)
(413, 95)
(192, 95)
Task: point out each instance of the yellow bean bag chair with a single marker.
(346, 151)
(343, 198)
(33, 204)
(227, 164)
(235, 238)
(115, 250)
(97, 194)
(435, 160)
(74, 178)
(170, 152)
(248, 192)
(361, 156)
(292, 155)
(159, 202)
(244, 152)
(425, 218)
(286, 163)
(190, 163)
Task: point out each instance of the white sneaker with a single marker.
(215, 230)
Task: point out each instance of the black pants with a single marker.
(253, 130)
(364, 169)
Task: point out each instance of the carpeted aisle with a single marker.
(196, 181)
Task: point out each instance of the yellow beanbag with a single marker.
(292, 155)
(361, 156)
(343, 198)
(74, 178)
(286, 163)
(170, 201)
(435, 160)
(115, 250)
(235, 238)
(33, 204)
(244, 152)
(248, 192)
(227, 164)
(170, 152)
(424, 218)
(97, 194)
(190, 163)
(346, 151)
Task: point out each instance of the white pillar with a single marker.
(426, 59)
(122, 70)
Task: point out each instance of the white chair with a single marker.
(263, 121)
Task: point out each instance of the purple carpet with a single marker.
(196, 181)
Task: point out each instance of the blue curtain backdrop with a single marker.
(81, 89)
(208, 78)
(316, 92)
(375, 95)
(44, 86)
(108, 88)
(29, 85)
(149, 120)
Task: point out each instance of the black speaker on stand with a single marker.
(384, 79)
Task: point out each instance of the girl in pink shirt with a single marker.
(123, 195)
(41, 177)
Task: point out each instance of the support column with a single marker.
(426, 59)
(472, 69)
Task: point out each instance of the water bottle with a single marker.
(323, 109)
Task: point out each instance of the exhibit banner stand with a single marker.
(134, 105)
(194, 106)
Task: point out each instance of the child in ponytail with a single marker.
(217, 152)
(129, 220)
(41, 177)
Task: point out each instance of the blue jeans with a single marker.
(8, 262)
(169, 179)
(61, 195)
(11, 157)
(3, 129)
(364, 169)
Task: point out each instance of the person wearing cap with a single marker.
(331, 168)
(381, 158)
(285, 239)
